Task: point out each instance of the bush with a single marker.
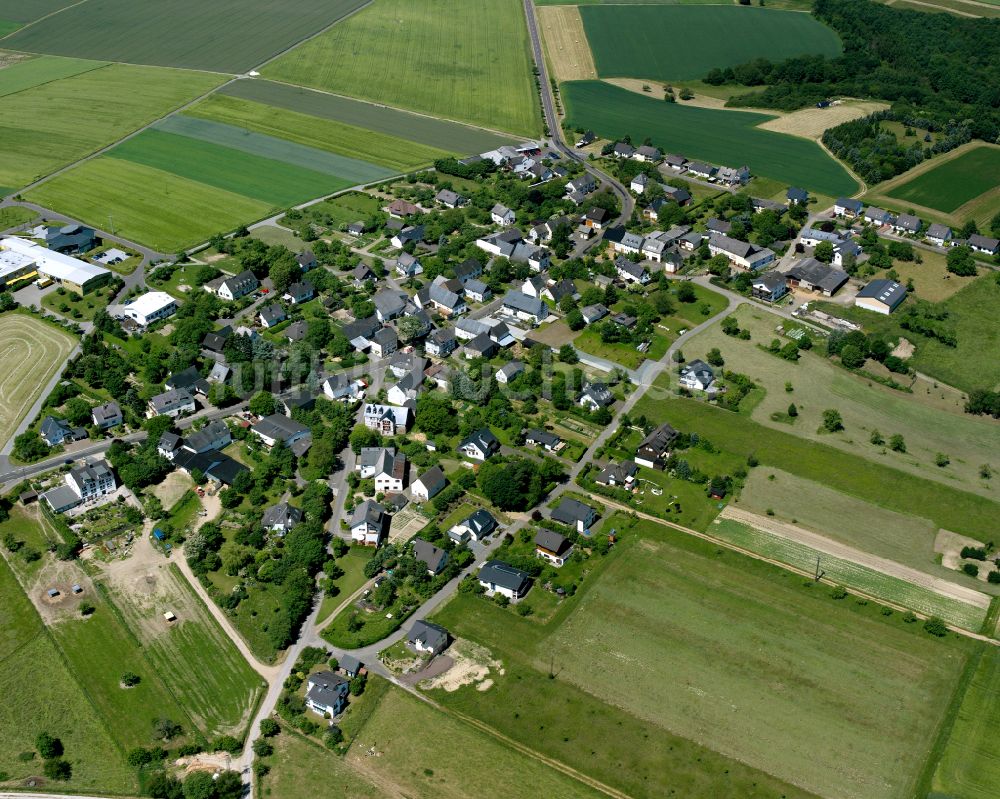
(57, 769)
(971, 569)
(262, 748)
(838, 592)
(130, 679)
(993, 577)
(48, 746)
(936, 626)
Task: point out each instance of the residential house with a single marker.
(907, 223)
(769, 286)
(219, 373)
(690, 241)
(469, 269)
(401, 209)
(326, 693)
(551, 546)
(368, 523)
(233, 287)
(550, 442)
(388, 304)
(389, 420)
(306, 260)
(728, 176)
(984, 244)
(878, 216)
(341, 387)
(525, 308)
(506, 373)
(498, 577)
(91, 481)
(360, 331)
(596, 395)
(467, 329)
(622, 241)
(190, 379)
(406, 389)
(583, 185)
(449, 198)
(673, 194)
(647, 154)
(278, 427)
(434, 558)
(533, 286)
(596, 218)
(594, 313)
(701, 170)
(281, 518)
(441, 342)
(758, 204)
(370, 459)
(407, 266)
(356, 229)
(848, 207)
(587, 138)
(480, 445)
(812, 275)
(939, 235)
(429, 484)
(714, 225)
(391, 473)
(171, 403)
(297, 331)
(149, 308)
(482, 346)
(797, 196)
(502, 215)
(618, 475)
(510, 244)
(654, 449)
(575, 514)
(107, 415)
(362, 274)
(881, 296)
(623, 150)
(741, 254)
(168, 445)
(213, 345)
(300, 292)
(302, 399)
(478, 525)
(696, 376)
(427, 638)
(477, 291)
(271, 315)
(639, 183)
(631, 272)
(446, 296)
(214, 435)
(672, 262)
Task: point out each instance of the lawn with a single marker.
(76, 307)
(35, 71)
(952, 183)
(355, 145)
(723, 137)
(16, 216)
(346, 208)
(226, 690)
(251, 175)
(447, 58)
(975, 361)
(762, 669)
(392, 122)
(222, 36)
(353, 564)
(302, 769)
(148, 205)
(849, 574)
(62, 121)
(970, 764)
(865, 406)
(32, 352)
(960, 511)
(667, 42)
(626, 355)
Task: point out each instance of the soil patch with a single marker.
(472, 664)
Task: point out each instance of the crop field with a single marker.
(975, 361)
(945, 506)
(222, 696)
(392, 122)
(970, 764)
(22, 11)
(663, 42)
(955, 182)
(801, 673)
(32, 352)
(448, 58)
(59, 122)
(865, 406)
(222, 36)
(360, 149)
(722, 137)
(148, 205)
(35, 71)
(851, 575)
(566, 43)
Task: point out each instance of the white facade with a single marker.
(150, 307)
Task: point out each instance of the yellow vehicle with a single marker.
(43, 282)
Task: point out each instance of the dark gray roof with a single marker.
(484, 439)
(888, 291)
(552, 541)
(850, 204)
(501, 574)
(326, 689)
(368, 512)
(599, 393)
(828, 278)
(284, 514)
(570, 511)
(278, 426)
(660, 439)
(433, 557)
(202, 439)
(481, 521)
(429, 634)
(433, 479)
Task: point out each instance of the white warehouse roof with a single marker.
(51, 263)
(141, 308)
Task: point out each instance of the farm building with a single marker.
(881, 296)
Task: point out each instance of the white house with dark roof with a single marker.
(697, 376)
(631, 272)
(741, 254)
(369, 523)
(498, 577)
(553, 547)
(939, 235)
(596, 395)
(525, 308)
(846, 206)
(427, 638)
(480, 445)
(433, 557)
(171, 403)
(575, 514)
(281, 518)
(502, 215)
(107, 415)
(881, 296)
(429, 484)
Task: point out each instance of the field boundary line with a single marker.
(100, 65)
(41, 19)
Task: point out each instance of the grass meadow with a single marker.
(222, 36)
(952, 183)
(839, 470)
(32, 352)
(59, 122)
(34, 72)
(147, 205)
(975, 361)
(722, 137)
(667, 42)
(447, 58)
(851, 575)
(865, 406)
(226, 690)
(970, 763)
(761, 671)
(348, 141)
(392, 122)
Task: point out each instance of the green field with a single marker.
(60, 122)
(226, 690)
(695, 643)
(955, 182)
(361, 148)
(950, 508)
(864, 405)
(970, 765)
(448, 58)
(30, 10)
(975, 361)
(148, 205)
(33, 351)
(851, 575)
(722, 137)
(418, 128)
(35, 71)
(222, 36)
(664, 42)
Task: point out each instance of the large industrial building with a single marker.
(21, 258)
